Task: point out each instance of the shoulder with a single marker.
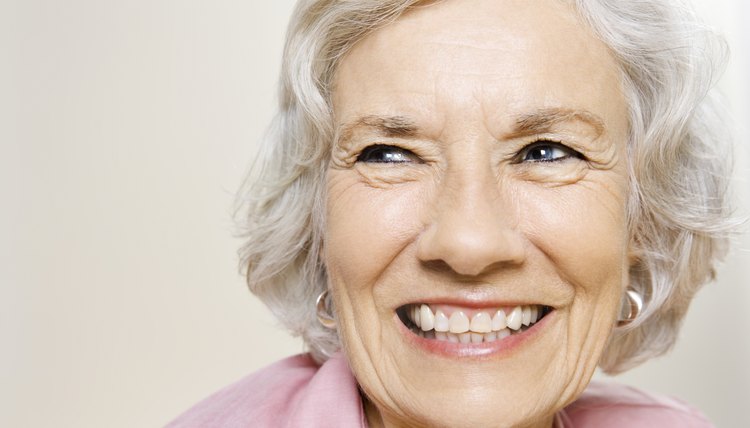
(613, 405)
(255, 397)
(289, 392)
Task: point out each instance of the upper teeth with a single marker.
(484, 321)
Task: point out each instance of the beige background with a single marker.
(125, 128)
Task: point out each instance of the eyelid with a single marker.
(519, 157)
(374, 147)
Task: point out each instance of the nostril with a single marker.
(469, 264)
(442, 267)
(468, 249)
(438, 266)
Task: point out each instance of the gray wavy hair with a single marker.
(679, 157)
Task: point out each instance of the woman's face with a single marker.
(478, 183)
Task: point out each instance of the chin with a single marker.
(519, 379)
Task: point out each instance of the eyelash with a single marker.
(385, 149)
(551, 145)
(521, 157)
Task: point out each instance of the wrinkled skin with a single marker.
(501, 178)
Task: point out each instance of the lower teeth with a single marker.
(468, 337)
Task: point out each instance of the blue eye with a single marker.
(383, 153)
(547, 151)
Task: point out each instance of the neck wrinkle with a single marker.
(373, 418)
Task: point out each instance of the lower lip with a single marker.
(498, 348)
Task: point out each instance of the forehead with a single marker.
(503, 57)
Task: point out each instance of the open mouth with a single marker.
(461, 325)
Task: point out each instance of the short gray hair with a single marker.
(678, 150)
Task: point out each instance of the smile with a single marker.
(462, 325)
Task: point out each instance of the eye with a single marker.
(383, 153)
(547, 151)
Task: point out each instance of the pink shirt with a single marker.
(295, 392)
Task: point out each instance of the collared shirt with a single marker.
(296, 392)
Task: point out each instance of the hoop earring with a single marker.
(324, 315)
(635, 305)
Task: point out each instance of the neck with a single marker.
(378, 419)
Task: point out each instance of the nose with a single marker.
(472, 228)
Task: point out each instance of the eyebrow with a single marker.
(387, 126)
(537, 122)
(544, 120)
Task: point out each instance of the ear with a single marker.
(317, 240)
(634, 252)
(322, 253)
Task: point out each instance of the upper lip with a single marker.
(478, 303)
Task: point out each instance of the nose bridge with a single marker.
(471, 191)
(473, 225)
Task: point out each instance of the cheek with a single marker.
(367, 227)
(582, 229)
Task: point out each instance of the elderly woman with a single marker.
(466, 206)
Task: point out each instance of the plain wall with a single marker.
(125, 129)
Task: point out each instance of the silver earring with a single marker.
(635, 304)
(324, 315)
